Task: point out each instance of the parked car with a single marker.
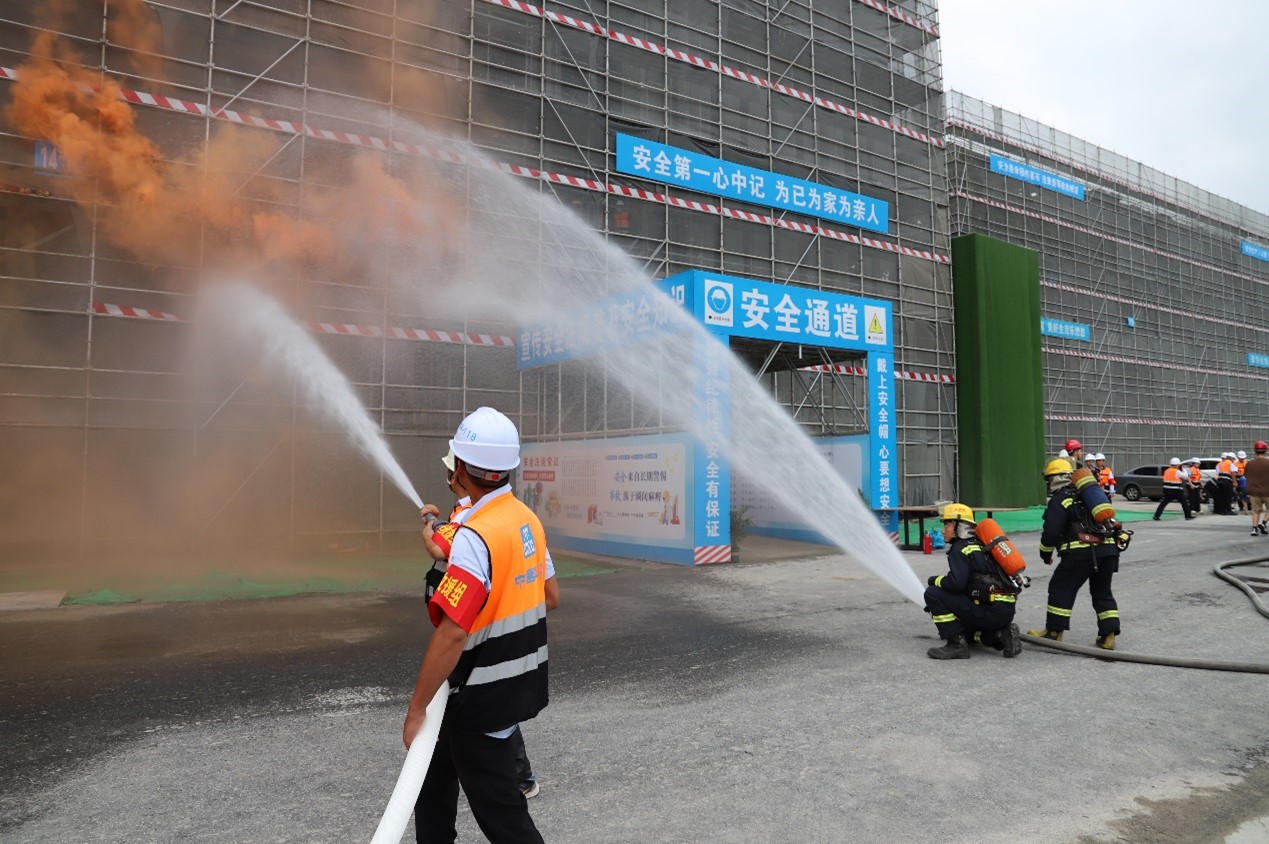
(1142, 482)
(1147, 481)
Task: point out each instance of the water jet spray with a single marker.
(244, 313)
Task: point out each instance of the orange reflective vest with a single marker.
(1196, 475)
(1226, 468)
(1172, 478)
(1240, 467)
(1106, 478)
(501, 678)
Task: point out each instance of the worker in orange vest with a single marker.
(1105, 477)
(1225, 485)
(1196, 485)
(1240, 482)
(1174, 489)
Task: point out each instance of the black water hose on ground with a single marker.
(1175, 662)
(1220, 572)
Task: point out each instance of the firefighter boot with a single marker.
(1010, 642)
(956, 648)
(1046, 633)
(1106, 642)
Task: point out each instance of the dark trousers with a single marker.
(1224, 495)
(486, 769)
(1173, 495)
(524, 768)
(1070, 574)
(955, 614)
(1196, 499)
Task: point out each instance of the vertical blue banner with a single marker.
(883, 462)
(711, 470)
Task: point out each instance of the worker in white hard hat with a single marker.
(438, 538)
(1240, 482)
(1193, 469)
(1105, 477)
(1174, 482)
(1225, 472)
(490, 642)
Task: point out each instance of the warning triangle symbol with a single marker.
(874, 326)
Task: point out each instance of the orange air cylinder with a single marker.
(1093, 495)
(1001, 548)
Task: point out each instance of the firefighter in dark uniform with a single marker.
(1087, 552)
(974, 599)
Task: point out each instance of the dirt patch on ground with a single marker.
(1209, 816)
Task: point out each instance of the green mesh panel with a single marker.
(999, 383)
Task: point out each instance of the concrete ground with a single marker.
(784, 698)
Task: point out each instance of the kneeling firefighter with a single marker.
(974, 599)
(1089, 550)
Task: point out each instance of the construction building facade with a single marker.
(1154, 319)
(843, 96)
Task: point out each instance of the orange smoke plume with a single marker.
(177, 213)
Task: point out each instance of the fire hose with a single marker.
(413, 772)
(1175, 662)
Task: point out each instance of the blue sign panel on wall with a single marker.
(746, 307)
(48, 160)
(1256, 251)
(1042, 178)
(699, 172)
(1254, 359)
(1069, 330)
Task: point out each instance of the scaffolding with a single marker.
(1152, 264)
(846, 94)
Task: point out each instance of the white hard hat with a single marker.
(487, 440)
(1195, 460)
(1099, 456)
(1228, 454)
(448, 460)
(1064, 453)
(1242, 455)
(1175, 461)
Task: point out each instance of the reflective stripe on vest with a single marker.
(1172, 478)
(501, 677)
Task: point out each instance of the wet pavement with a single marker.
(772, 700)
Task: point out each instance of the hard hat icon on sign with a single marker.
(718, 302)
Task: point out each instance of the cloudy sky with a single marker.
(1178, 85)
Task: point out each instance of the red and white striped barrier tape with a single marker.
(1058, 222)
(894, 537)
(744, 76)
(899, 14)
(907, 375)
(136, 313)
(706, 554)
(1171, 423)
(1098, 174)
(1055, 350)
(186, 107)
(346, 329)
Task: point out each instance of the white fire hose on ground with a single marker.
(413, 772)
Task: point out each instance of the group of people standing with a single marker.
(1239, 482)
